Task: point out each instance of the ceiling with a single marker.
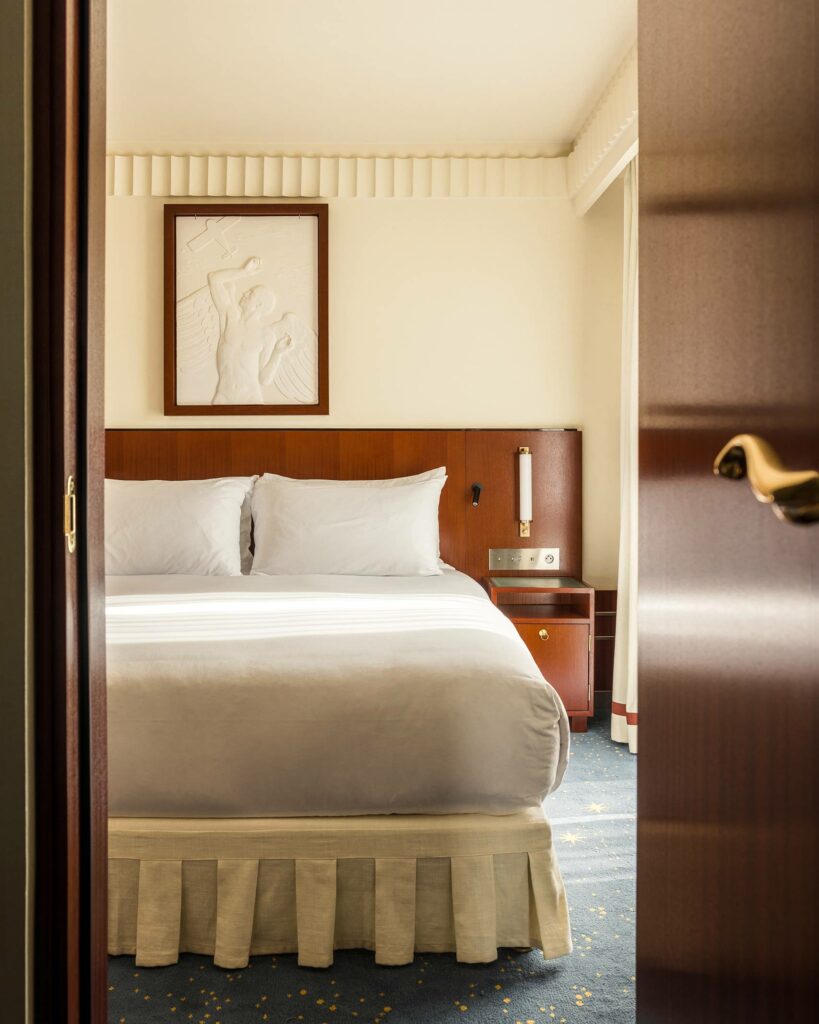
(448, 77)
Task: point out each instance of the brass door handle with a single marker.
(543, 634)
(794, 495)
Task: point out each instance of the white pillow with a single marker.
(396, 481)
(190, 527)
(350, 527)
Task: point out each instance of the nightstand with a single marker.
(555, 618)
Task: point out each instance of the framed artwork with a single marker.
(246, 309)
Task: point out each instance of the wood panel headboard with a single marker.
(484, 456)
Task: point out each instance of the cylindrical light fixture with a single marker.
(525, 491)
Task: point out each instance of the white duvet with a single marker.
(323, 695)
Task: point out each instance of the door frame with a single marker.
(67, 438)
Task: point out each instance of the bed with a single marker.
(370, 755)
(303, 686)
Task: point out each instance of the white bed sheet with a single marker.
(270, 696)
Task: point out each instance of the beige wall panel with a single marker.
(443, 313)
(600, 393)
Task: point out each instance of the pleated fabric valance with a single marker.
(468, 884)
(334, 177)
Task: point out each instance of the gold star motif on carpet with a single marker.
(596, 808)
(571, 837)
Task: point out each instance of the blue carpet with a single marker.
(593, 819)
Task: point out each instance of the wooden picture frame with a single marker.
(276, 361)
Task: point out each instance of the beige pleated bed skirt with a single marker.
(398, 885)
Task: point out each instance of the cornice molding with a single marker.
(302, 177)
(608, 140)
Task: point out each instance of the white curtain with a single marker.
(624, 696)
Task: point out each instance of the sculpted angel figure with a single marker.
(253, 348)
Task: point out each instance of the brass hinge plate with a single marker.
(70, 515)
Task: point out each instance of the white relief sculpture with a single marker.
(233, 346)
(252, 347)
(215, 231)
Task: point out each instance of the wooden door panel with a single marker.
(728, 798)
(563, 658)
(67, 439)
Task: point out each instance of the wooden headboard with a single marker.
(488, 457)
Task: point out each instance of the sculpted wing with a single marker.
(197, 331)
(297, 376)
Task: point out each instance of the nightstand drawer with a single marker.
(561, 651)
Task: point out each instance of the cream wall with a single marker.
(467, 312)
(599, 394)
(450, 312)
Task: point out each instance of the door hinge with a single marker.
(70, 515)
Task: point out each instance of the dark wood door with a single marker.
(67, 445)
(729, 675)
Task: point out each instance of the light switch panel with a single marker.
(524, 558)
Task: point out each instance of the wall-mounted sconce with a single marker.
(525, 491)
(476, 494)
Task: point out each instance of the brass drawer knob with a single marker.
(543, 634)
